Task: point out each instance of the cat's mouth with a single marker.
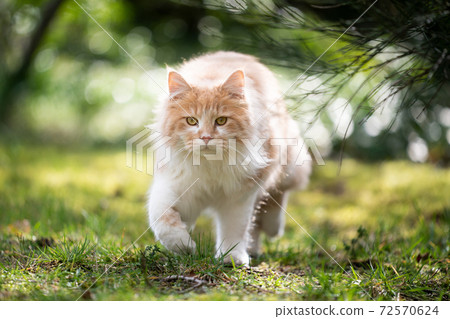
(211, 147)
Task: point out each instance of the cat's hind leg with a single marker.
(269, 218)
(254, 245)
(273, 214)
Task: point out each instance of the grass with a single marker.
(69, 217)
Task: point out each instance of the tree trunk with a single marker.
(8, 90)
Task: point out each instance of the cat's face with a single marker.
(208, 118)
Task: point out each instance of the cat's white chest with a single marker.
(213, 178)
(217, 179)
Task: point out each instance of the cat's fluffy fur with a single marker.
(238, 87)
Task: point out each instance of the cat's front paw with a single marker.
(239, 259)
(183, 248)
(179, 244)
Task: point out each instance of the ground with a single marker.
(70, 221)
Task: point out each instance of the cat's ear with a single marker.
(177, 84)
(235, 84)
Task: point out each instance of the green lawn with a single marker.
(67, 215)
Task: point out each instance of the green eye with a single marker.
(221, 120)
(191, 121)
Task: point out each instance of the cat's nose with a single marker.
(206, 139)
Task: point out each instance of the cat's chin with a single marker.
(216, 146)
(210, 149)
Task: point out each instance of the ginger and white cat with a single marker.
(225, 105)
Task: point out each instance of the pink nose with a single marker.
(206, 139)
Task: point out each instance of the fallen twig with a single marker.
(198, 282)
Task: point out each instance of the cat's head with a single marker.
(208, 117)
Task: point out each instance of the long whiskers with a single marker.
(183, 148)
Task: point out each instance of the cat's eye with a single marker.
(191, 121)
(221, 120)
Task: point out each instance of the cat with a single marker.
(224, 103)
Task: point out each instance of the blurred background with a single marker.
(90, 72)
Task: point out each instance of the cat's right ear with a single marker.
(177, 85)
(235, 84)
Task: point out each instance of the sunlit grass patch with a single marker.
(69, 219)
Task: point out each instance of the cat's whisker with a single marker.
(186, 156)
(183, 148)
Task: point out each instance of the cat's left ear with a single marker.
(235, 84)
